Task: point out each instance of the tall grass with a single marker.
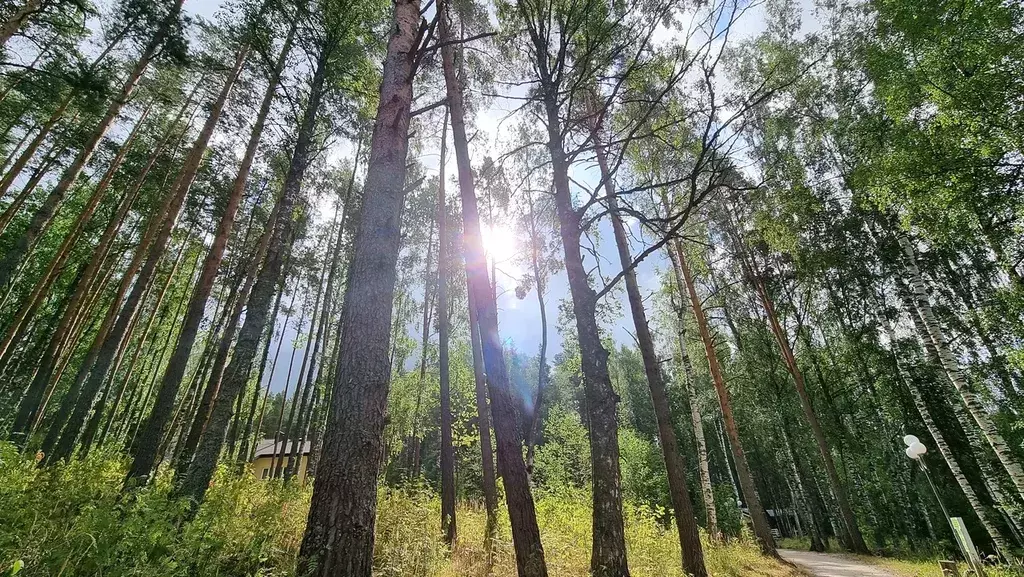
(71, 520)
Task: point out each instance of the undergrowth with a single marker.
(72, 520)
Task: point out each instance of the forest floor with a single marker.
(830, 565)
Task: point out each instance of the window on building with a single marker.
(266, 473)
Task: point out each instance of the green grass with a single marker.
(930, 567)
(72, 520)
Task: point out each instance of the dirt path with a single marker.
(824, 565)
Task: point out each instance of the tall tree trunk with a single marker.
(93, 423)
(248, 442)
(67, 346)
(818, 540)
(484, 430)
(306, 410)
(608, 555)
(288, 432)
(131, 370)
(24, 158)
(414, 440)
(239, 297)
(996, 359)
(707, 490)
(42, 379)
(98, 372)
(856, 540)
(73, 310)
(46, 162)
(207, 454)
(675, 463)
(518, 496)
(931, 333)
(63, 434)
(277, 352)
(200, 376)
(129, 373)
(318, 414)
(448, 521)
(542, 368)
(940, 443)
(340, 528)
(44, 214)
(155, 427)
(762, 531)
(280, 438)
(52, 272)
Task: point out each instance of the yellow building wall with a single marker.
(263, 467)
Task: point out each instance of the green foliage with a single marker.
(74, 519)
(564, 458)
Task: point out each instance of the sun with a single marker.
(499, 243)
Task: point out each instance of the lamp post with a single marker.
(915, 450)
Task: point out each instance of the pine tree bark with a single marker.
(608, 555)
(155, 427)
(931, 333)
(518, 496)
(44, 214)
(340, 528)
(675, 463)
(204, 463)
(762, 531)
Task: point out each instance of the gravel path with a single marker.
(824, 565)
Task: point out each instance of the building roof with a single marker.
(268, 448)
